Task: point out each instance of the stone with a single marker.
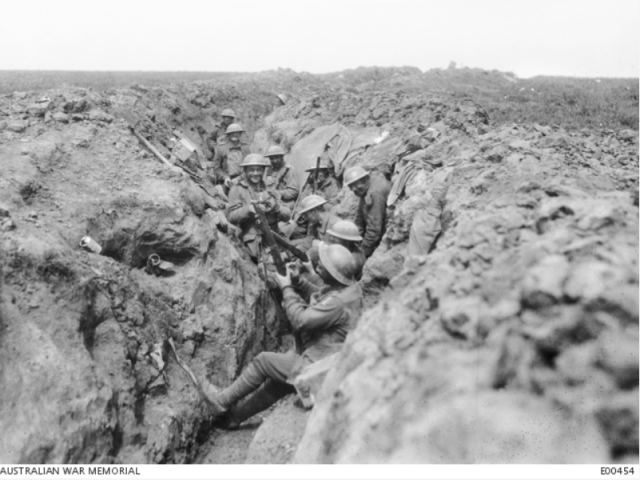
(618, 417)
(309, 381)
(543, 284)
(61, 117)
(618, 354)
(99, 115)
(17, 126)
(495, 427)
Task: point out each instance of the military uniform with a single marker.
(329, 190)
(239, 213)
(323, 316)
(285, 182)
(371, 214)
(227, 160)
(304, 234)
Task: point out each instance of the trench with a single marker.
(85, 366)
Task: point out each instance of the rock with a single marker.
(461, 316)
(99, 115)
(309, 381)
(492, 427)
(17, 126)
(61, 117)
(3, 125)
(618, 417)
(618, 354)
(543, 284)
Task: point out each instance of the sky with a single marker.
(587, 38)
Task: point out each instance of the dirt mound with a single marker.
(86, 372)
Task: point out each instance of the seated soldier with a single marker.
(373, 192)
(251, 190)
(229, 156)
(311, 222)
(321, 315)
(344, 233)
(282, 176)
(327, 187)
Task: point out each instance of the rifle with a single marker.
(269, 239)
(297, 252)
(270, 243)
(315, 178)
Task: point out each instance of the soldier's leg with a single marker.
(267, 365)
(269, 393)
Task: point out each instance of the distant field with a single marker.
(570, 102)
(26, 80)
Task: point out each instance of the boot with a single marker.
(246, 383)
(265, 396)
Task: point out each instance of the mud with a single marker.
(521, 324)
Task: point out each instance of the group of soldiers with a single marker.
(320, 295)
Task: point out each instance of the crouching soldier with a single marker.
(322, 315)
(344, 233)
(250, 190)
(282, 177)
(373, 192)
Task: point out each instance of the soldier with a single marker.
(344, 233)
(371, 214)
(251, 189)
(228, 157)
(311, 222)
(218, 136)
(282, 176)
(328, 188)
(322, 315)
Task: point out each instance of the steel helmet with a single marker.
(346, 230)
(227, 112)
(339, 262)
(310, 202)
(233, 128)
(274, 150)
(324, 163)
(255, 160)
(354, 174)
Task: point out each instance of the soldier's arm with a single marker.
(305, 317)
(218, 165)
(359, 220)
(237, 212)
(375, 224)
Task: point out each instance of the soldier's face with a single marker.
(234, 137)
(277, 161)
(323, 174)
(360, 187)
(254, 174)
(331, 240)
(227, 120)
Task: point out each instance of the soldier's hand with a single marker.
(227, 182)
(284, 280)
(252, 210)
(308, 266)
(294, 272)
